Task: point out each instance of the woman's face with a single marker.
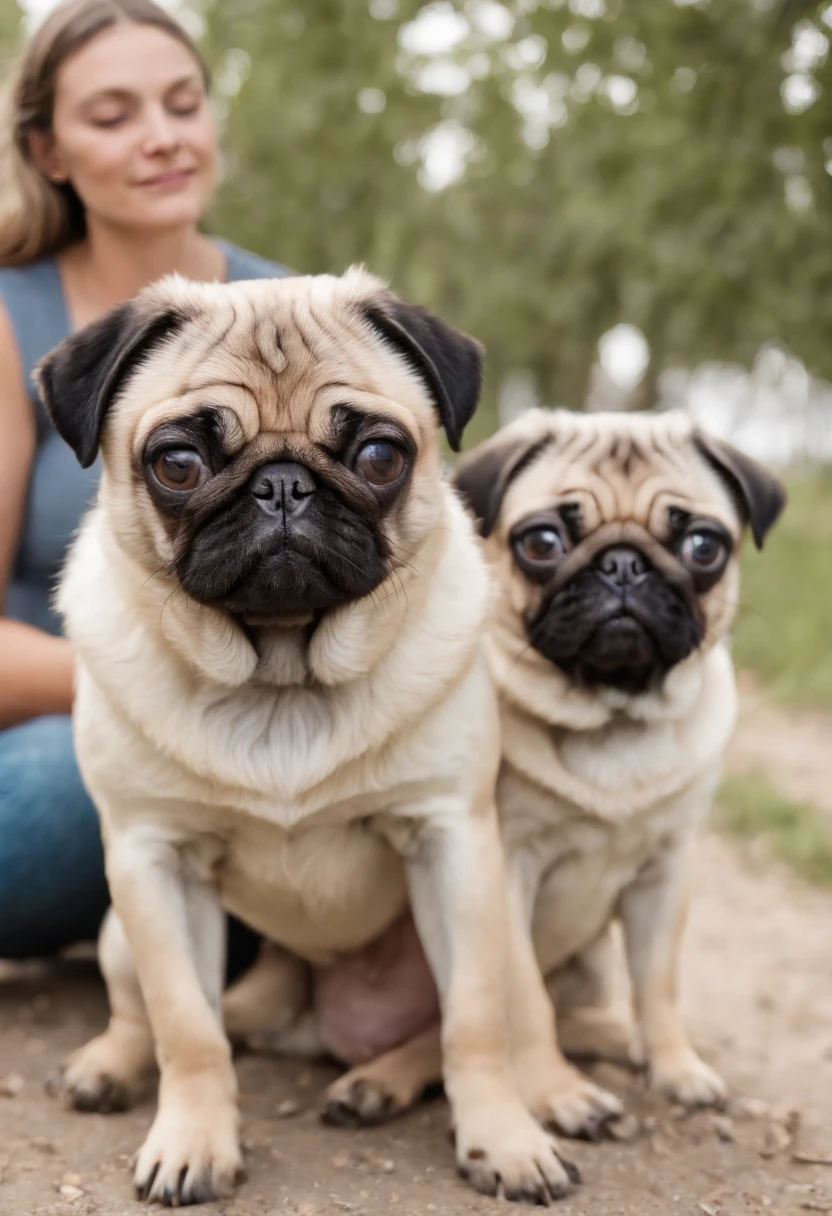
(132, 130)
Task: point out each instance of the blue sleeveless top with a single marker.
(59, 489)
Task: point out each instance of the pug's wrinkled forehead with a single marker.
(273, 355)
(611, 469)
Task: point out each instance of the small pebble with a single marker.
(11, 1085)
(752, 1108)
(70, 1192)
(724, 1128)
(288, 1108)
(388, 1167)
(624, 1129)
(775, 1140)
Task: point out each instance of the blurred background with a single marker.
(630, 204)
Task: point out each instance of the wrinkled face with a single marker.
(273, 445)
(615, 539)
(132, 130)
(280, 524)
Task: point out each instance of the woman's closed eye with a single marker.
(109, 118)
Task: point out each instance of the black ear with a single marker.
(78, 380)
(484, 474)
(758, 494)
(448, 361)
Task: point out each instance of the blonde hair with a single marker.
(39, 217)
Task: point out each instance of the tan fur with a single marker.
(601, 791)
(372, 1092)
(309, 787)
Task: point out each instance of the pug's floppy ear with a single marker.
(484, 474)
(759, 495)
(78, 380)
(448, 361)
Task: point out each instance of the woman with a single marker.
(108, 160)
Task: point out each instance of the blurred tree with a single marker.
(663, 164)
(666, 167)
(539, 172)
(312, 136)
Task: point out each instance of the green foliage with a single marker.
(784, 626)
(311, 178)
(10, 22)
(579, 208)
(795, 833)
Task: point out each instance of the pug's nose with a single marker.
(283, 487)
(623, 566)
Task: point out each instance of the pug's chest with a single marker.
(320, 891)
(575, 867)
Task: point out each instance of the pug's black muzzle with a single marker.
(285, 545)
(618, 621)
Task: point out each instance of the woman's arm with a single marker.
(35, 668)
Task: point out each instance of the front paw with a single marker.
(503, 1150)
(107, 1074)
(191, 1155)
(357, 1101)
(686, 1079)
(570, 1102)
(99, 1092)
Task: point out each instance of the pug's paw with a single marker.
(191, 1155)
(502, 1150)
(356, 1101)
(575, 1106)
(686, 1079)
(107, 1074)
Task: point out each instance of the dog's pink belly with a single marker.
(378, 998)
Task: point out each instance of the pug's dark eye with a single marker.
(703, 552)
(380, 462)
(179, 469)
(539, 549)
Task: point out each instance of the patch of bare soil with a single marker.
(757, 987)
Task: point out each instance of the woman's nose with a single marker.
(160, 133)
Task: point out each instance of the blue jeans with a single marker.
(53, 892)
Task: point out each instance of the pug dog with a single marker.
(282, 705)
(614, 540)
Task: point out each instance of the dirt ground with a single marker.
(757, 990)
(758, 995)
